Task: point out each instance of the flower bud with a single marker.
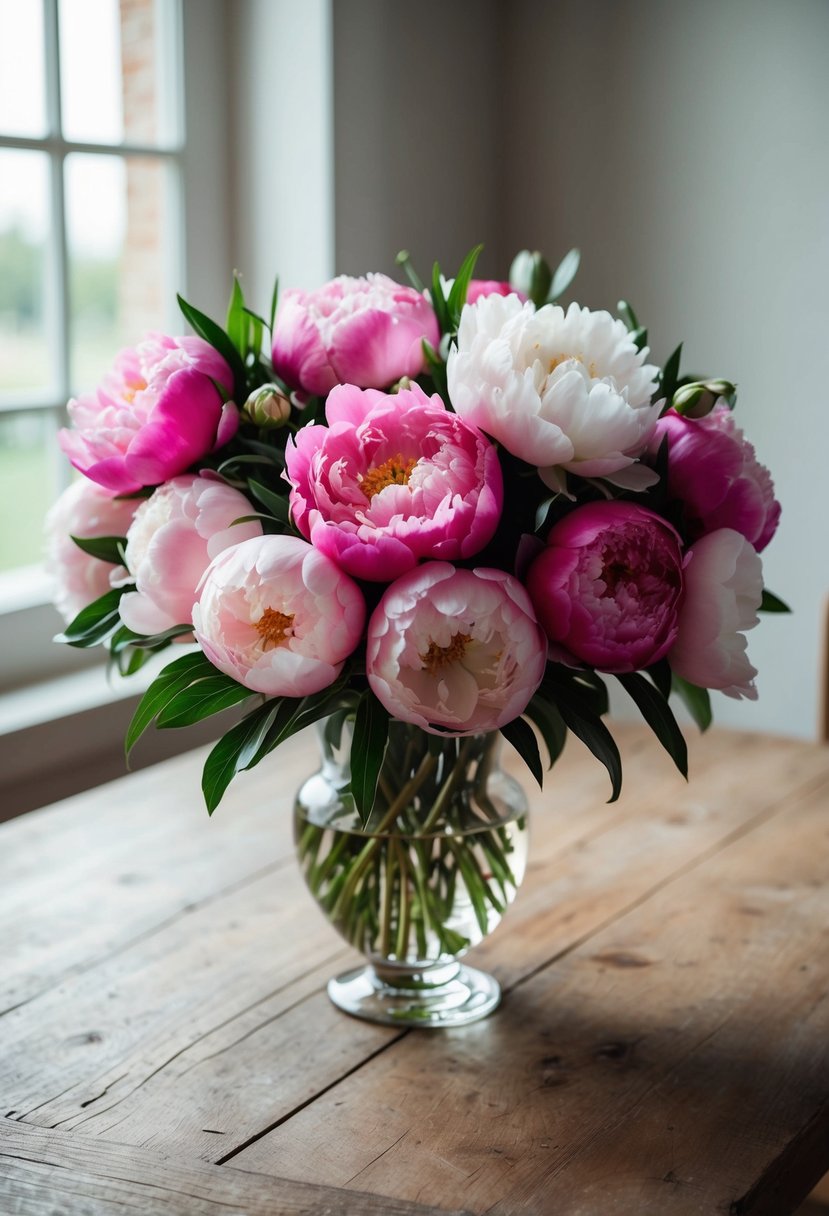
(531, 277)
(267, 407)
(698, 399)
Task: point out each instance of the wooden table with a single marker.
(167, 1046)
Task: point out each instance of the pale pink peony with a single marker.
(714, 472)
(608, 587)
(156, 413)
(278, 616)
(455, 649)
(83, 510)
(561, 390)
(723, 590)
(175, 535)
(367, 332)
(393, 479)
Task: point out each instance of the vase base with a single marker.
(434, 998)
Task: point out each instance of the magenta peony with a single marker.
(608, 587)
(723, 589)
(367, 332)
(457, 649)
(156, 413)
(278, 616)
(176, 533)
(715, 474)
(391, 480)
(83, 510)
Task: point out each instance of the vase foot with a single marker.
(438, 997)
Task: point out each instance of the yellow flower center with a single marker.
(274, 627)
(395, 471)
(137, 386)
(438, 657)
(592, 370)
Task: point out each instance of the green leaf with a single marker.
(220, 341)
(660, 673)
(669, 378)
(657, 713)
(564, 274)
(105, 548)
(403, 259)
(94, 622)
(627, 314)
(176, 675)
(274, 302)
(772, 603)
(371, 731)
(202, 700)
(237, 322)
(457, 296)
(277, 504)
(224, 761)
(639, 337)
(439, 300)
(697, 700)
(545, 714)
(522, 737)
(576, 710)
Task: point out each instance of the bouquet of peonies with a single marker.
(455, 507)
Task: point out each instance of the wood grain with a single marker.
(52, 1173)
(678, 1062)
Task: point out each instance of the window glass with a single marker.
(28, 447)
(22, 79)
(26, 360)
(90, 76)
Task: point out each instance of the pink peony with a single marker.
(491, 287)
(154, 415)
(714, 473)
(393, 479)
(176, 533)
(278, 616)
(457, 649)
(608, 587)
(367, 332)
(723, 589)
(83, 510)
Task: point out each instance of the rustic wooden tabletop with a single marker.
(166, 1043)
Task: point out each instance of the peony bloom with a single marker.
(723, 589)
(561, 390)
(367, 332)
(457, 649)
(391, 480)
(491, 287)
(715, 474)
(176, 533)
(83, 510)
(608, 587)
(278, 616)
(156, 413)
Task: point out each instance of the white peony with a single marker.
(562, 390)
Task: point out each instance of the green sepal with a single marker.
(697, 700)
(658, 714)
(522, 737)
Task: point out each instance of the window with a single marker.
(90, 151)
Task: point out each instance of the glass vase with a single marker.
(429, 876)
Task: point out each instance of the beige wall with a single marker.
(685, 148)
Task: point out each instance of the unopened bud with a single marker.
(267, 407)
(698, 399)
(531, 276)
